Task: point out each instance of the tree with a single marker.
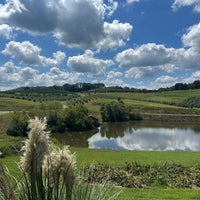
(19, 124)
(115, 112)
(76, 118)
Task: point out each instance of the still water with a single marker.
(147, 136)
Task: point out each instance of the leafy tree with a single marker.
(19, 124)
(55, 122)
(76, 118)
(115, 112)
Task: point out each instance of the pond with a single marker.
(147, 136)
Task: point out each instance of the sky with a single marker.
(130, 43)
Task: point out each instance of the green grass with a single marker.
(176, 96)
(114, 158)
(11, 104)
(159, 194)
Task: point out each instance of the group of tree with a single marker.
(73, 118)
(64, 91)
(117, 111)
(183, 86)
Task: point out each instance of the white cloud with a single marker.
(6, 31)
(166, 80)
(86, 63)
(56, 77)
(132, 1)
(77, 23)
(12, 76)
(145, 55)
(150, 59)
(181, 3)
(114, 78)
(193, 77)
(9, 76)
(27, 73)
(116, 35)
(111, 7)
(192, 37)
(27, 53)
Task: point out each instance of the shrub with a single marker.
(191, 102)
(117, 112)
(18, 125)
(76, 118)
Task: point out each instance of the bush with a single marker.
(117, 112)
(18, 125)
(191, 102)
(76, 118)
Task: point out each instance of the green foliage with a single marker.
(76, 118)
(191, 102)
(135, 175)
(18, 125)
(117, 112)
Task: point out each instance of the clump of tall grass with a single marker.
(48, 172)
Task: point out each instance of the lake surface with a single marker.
(147, 136)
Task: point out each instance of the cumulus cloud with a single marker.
(193, 77)
(114, 78)
(57, 77)
(74, 23)
(166, 80)
(86, 63)
(6, 31)
(27, 73)
(181, 3)
(192, 37)
(149, 59)
(27, 53)
(9, 76)
(116, 34)
(111, 7)
(12, 76)
(141, 72)
(149, 54)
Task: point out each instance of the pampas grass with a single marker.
(48, 172)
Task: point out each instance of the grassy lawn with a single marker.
(159, 194)
(114, 158)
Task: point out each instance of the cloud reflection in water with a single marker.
(149, 139)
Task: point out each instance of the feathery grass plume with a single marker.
(6, 190)
(36, 146)
(59, 167)
(34, 151)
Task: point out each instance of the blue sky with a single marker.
(135, 43)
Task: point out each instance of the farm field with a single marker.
(156, 104)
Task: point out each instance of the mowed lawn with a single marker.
(117, 158)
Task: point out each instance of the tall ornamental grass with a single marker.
(48, 172)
